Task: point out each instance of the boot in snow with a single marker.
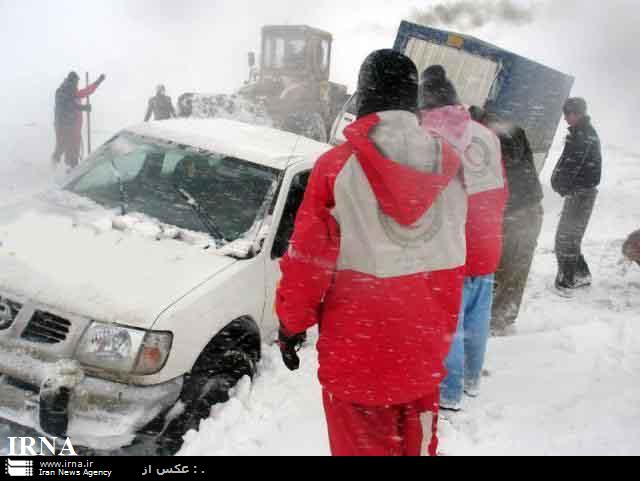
(565, 284)
(583, 276)
(472, 388)
(454, 407)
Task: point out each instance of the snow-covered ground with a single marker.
(567, 383)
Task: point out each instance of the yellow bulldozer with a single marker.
(289, 89)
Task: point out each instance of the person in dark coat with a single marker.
(68, 118)
(522, 223)
(160, 106)
(479, 149)
(576, 178)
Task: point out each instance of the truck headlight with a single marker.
(124, 350)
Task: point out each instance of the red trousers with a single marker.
(380, 431)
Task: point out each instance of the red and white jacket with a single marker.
(377, 260)
(485, 182)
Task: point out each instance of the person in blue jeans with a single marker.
(484, 177)
(466, 359)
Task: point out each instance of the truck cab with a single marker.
(288, 89)
(289, 54)
(296, 51)
(293, 80)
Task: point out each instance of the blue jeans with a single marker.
(466, 359)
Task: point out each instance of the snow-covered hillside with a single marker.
(567, 383)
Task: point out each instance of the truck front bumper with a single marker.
(99, 414)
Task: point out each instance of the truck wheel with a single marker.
(228, 358)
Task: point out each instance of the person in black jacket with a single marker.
(576, 178)
(160, 106)
(522, 222)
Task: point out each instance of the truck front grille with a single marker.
(8, 312)
(46, 328)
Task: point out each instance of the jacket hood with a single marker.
(453, 123)
(407, 169)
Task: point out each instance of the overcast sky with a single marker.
(201, 45)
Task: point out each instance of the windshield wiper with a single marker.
(207, 219)
(124, 198)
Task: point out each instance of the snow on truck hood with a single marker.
(103, 269)
(256, 144)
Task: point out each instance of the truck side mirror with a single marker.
(252, 59)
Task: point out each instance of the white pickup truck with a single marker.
(148, 279)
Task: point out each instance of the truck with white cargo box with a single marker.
(516, 89)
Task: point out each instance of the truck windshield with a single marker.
(149, 178)
(282, 51)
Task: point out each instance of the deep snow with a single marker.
(566, 383)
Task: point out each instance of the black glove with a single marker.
(101, 79)
(84, 108)
(289, 347)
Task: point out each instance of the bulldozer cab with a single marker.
(296, 51)
(290, 90)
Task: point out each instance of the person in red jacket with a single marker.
(377, 261)
(443, 115)
(68, 118)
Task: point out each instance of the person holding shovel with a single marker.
(68, 118)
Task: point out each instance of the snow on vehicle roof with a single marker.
(260, 145)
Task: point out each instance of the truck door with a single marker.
(472, 75)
